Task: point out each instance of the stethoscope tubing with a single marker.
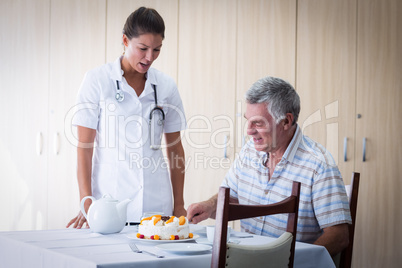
(120, 97)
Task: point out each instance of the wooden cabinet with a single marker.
(348, 78)
(266, 42)
(43, 62)
(24, 76)
(378, 102)
(206, 79)
(266, 46)
(326, 76)
(343, 57)
(77, 44)
(230, 45)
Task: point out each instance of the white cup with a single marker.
(211, 233)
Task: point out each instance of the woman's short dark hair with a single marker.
(144, 20)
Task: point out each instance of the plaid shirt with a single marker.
(323, 199)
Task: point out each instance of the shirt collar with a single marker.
(151, 77)
(290, 150)
(293, 145)
(151, 80)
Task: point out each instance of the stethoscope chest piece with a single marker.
(119, 96)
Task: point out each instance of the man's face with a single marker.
(262, 128)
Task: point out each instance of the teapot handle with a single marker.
(82, 205)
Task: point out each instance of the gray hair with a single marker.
(280, 96)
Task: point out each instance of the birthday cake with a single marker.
(159, 227)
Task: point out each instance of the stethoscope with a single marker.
(160, 122)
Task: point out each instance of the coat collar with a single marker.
(116, 74)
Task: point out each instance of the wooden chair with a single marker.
(344, 259)
(226, 211)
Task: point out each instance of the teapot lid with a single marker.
(108, 198)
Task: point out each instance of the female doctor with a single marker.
(122, 110)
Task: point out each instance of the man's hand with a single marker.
(201, 211)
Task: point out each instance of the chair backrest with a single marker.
(275, 254)
(353, 193)
(226, 211)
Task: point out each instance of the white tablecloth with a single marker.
(82, 248)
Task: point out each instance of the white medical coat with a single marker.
(123, 164)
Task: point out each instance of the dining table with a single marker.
(82, 248)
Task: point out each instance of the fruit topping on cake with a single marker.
(159, 227)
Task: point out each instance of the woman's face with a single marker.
(141, 51)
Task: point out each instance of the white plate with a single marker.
(203, 240)
(134, 236)
(185, 248)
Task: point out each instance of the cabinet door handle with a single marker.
(345, 149)
(225, 149)
(39, 143)
(364, 149)
(56, 143)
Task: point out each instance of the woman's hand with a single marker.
(86, 137)
(78, 222)
(175, 153)
(179, 211)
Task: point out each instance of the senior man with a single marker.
(276, 155)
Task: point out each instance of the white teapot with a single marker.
(106, 215)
